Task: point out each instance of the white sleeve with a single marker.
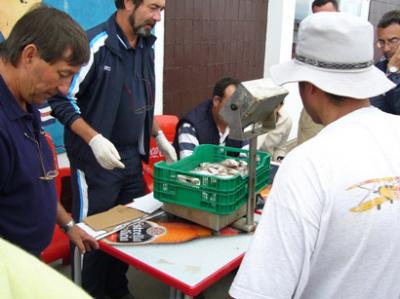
(278, 260)
(274, 141)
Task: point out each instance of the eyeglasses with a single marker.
(49, 174)
(148, 94)
(393, 42)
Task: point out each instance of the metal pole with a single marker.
(251, 200)
(77, 266)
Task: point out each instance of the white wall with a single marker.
(279, 49)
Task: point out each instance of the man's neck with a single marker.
(9, 73)
(221, 128)
(127, 29)
(333, 112)
(220, 125)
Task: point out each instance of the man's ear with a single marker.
(311, 89)
(129, 4)
(28, 53)
(216, 100)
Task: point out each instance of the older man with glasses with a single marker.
(389, 44)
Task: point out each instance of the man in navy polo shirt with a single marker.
(33, 67)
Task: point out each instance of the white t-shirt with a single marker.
(331, 226)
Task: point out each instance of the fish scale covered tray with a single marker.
(177, 183)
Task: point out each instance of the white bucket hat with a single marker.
(334, 52)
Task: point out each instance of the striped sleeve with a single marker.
(187, 139)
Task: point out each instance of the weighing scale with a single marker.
(250, 112)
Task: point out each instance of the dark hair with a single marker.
(320, 3)
(119, 4)
(222, 84)
(52, 31)
(389, 18)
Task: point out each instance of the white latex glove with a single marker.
(105, 152)
(165, 147)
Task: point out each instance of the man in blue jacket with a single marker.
(389, 44)
(108, 119)
(1, 37)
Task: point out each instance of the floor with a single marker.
(143, 286)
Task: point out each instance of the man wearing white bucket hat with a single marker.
(330, 226)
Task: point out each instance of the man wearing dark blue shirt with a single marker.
(1, 37)
(34, 67)
(389, 44)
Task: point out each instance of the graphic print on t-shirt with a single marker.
(380, 191)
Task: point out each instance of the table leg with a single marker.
(176, 294)
(77, 266)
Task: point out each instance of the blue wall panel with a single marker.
(87, 13)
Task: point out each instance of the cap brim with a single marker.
(354, 84)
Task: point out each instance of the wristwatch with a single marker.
(67, 227)
(393, 69)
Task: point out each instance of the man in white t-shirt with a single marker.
(331, 226)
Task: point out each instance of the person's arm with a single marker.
(162, 143)
(67, 111)
(105, 152)
(277, 262)
(395, 60)
(275, 139)
(79, 237)
(5, 168)
(392, 97)
(187, 140)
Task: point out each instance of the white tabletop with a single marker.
(190, 266)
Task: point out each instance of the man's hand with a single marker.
(82, 240)
(165, 147)
(105, 152)
(395, 60)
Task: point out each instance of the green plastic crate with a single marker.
(213, 194)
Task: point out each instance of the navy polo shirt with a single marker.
(27, 203)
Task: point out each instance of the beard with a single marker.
(141, 29)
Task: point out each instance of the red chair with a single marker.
(167, 125)
(59, 245)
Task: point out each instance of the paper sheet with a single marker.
(147, 204)
(113, 217)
